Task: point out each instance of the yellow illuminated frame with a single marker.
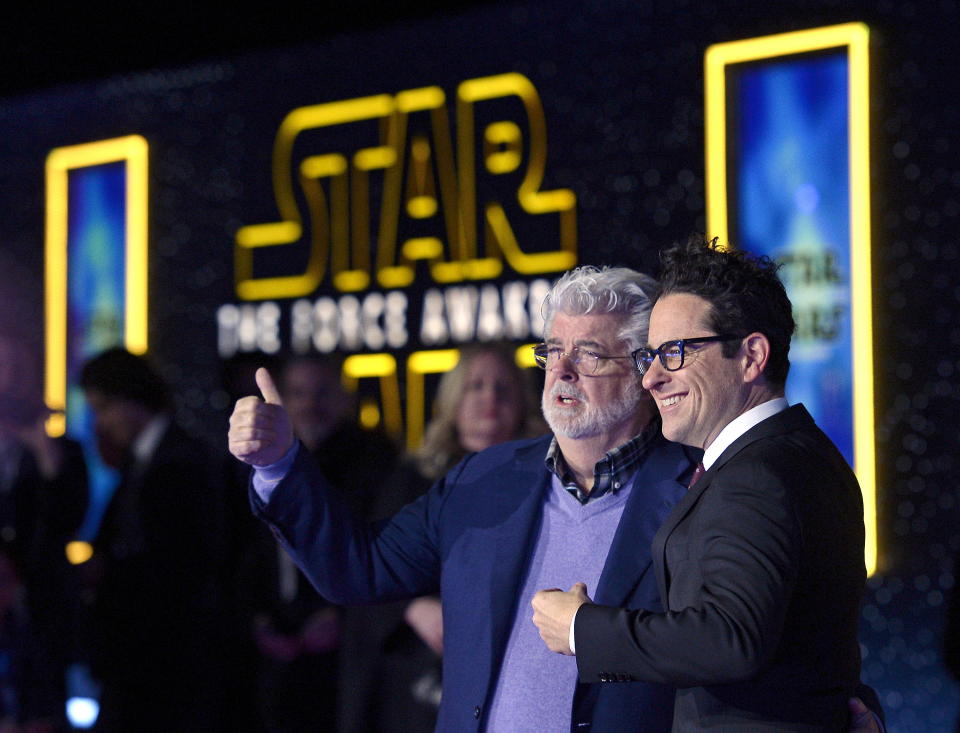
(855, 37)
(338, 223)
(532, 198)
(383, 368)
(132, 150)
(290, 227)
(419, 364)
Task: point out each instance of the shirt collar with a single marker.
(145, 444)
(741, 424)
(612, 472)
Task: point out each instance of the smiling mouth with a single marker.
(670, 401)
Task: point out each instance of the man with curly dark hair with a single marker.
(155, 632)
(760, 565)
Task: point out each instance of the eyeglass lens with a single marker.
(547, 356)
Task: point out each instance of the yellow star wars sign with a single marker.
(324, 197)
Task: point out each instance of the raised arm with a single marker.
(349, 561)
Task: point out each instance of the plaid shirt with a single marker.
(612, 471)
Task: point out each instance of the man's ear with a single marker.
(755, 350)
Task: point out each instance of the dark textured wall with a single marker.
(621, 84)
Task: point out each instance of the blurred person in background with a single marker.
(26, 705)
(241, 658)
(296, 633)
(486, 399)
(158, 552)
(391, 660)
(43, 497)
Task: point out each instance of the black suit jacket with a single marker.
(761, 567)
(38, 516)
(155, 619)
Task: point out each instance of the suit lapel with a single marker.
(656, 489)
(793, 418)
(686, 503)
(515, 537)
(787, 420)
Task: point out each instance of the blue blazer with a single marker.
(470, 538)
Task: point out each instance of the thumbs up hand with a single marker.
(260, 429)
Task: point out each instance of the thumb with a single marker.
(859, 713)
(268, 388)
(579, 588)
(857, 706)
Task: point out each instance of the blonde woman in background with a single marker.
(391, 655)
(486, 399)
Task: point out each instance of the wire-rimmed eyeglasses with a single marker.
(585, 361)
(671, 353)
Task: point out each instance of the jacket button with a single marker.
(476, 712)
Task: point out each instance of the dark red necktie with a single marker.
(697, 473)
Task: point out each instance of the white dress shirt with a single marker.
(739, 425)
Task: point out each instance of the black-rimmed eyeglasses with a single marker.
(671, 353)
(585, 361)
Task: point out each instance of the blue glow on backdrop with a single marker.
(793, 190)
(96, 265)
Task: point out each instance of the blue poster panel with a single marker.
(792, 203)
(788, 176)
(96, 257)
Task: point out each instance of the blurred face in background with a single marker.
(315, 400)
(116, 422)
(491, 404)
(20, 402)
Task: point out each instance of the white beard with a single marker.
(585, 420)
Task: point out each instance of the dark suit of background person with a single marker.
(793, 667)
(390, 680)
(159, 551)
(299, 634)
(39, 515)
(241, 658)
(43, 497)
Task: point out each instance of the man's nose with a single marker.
(654, 375)
(564, 367)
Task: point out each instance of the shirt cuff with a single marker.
(266, 478)
(570, 640)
